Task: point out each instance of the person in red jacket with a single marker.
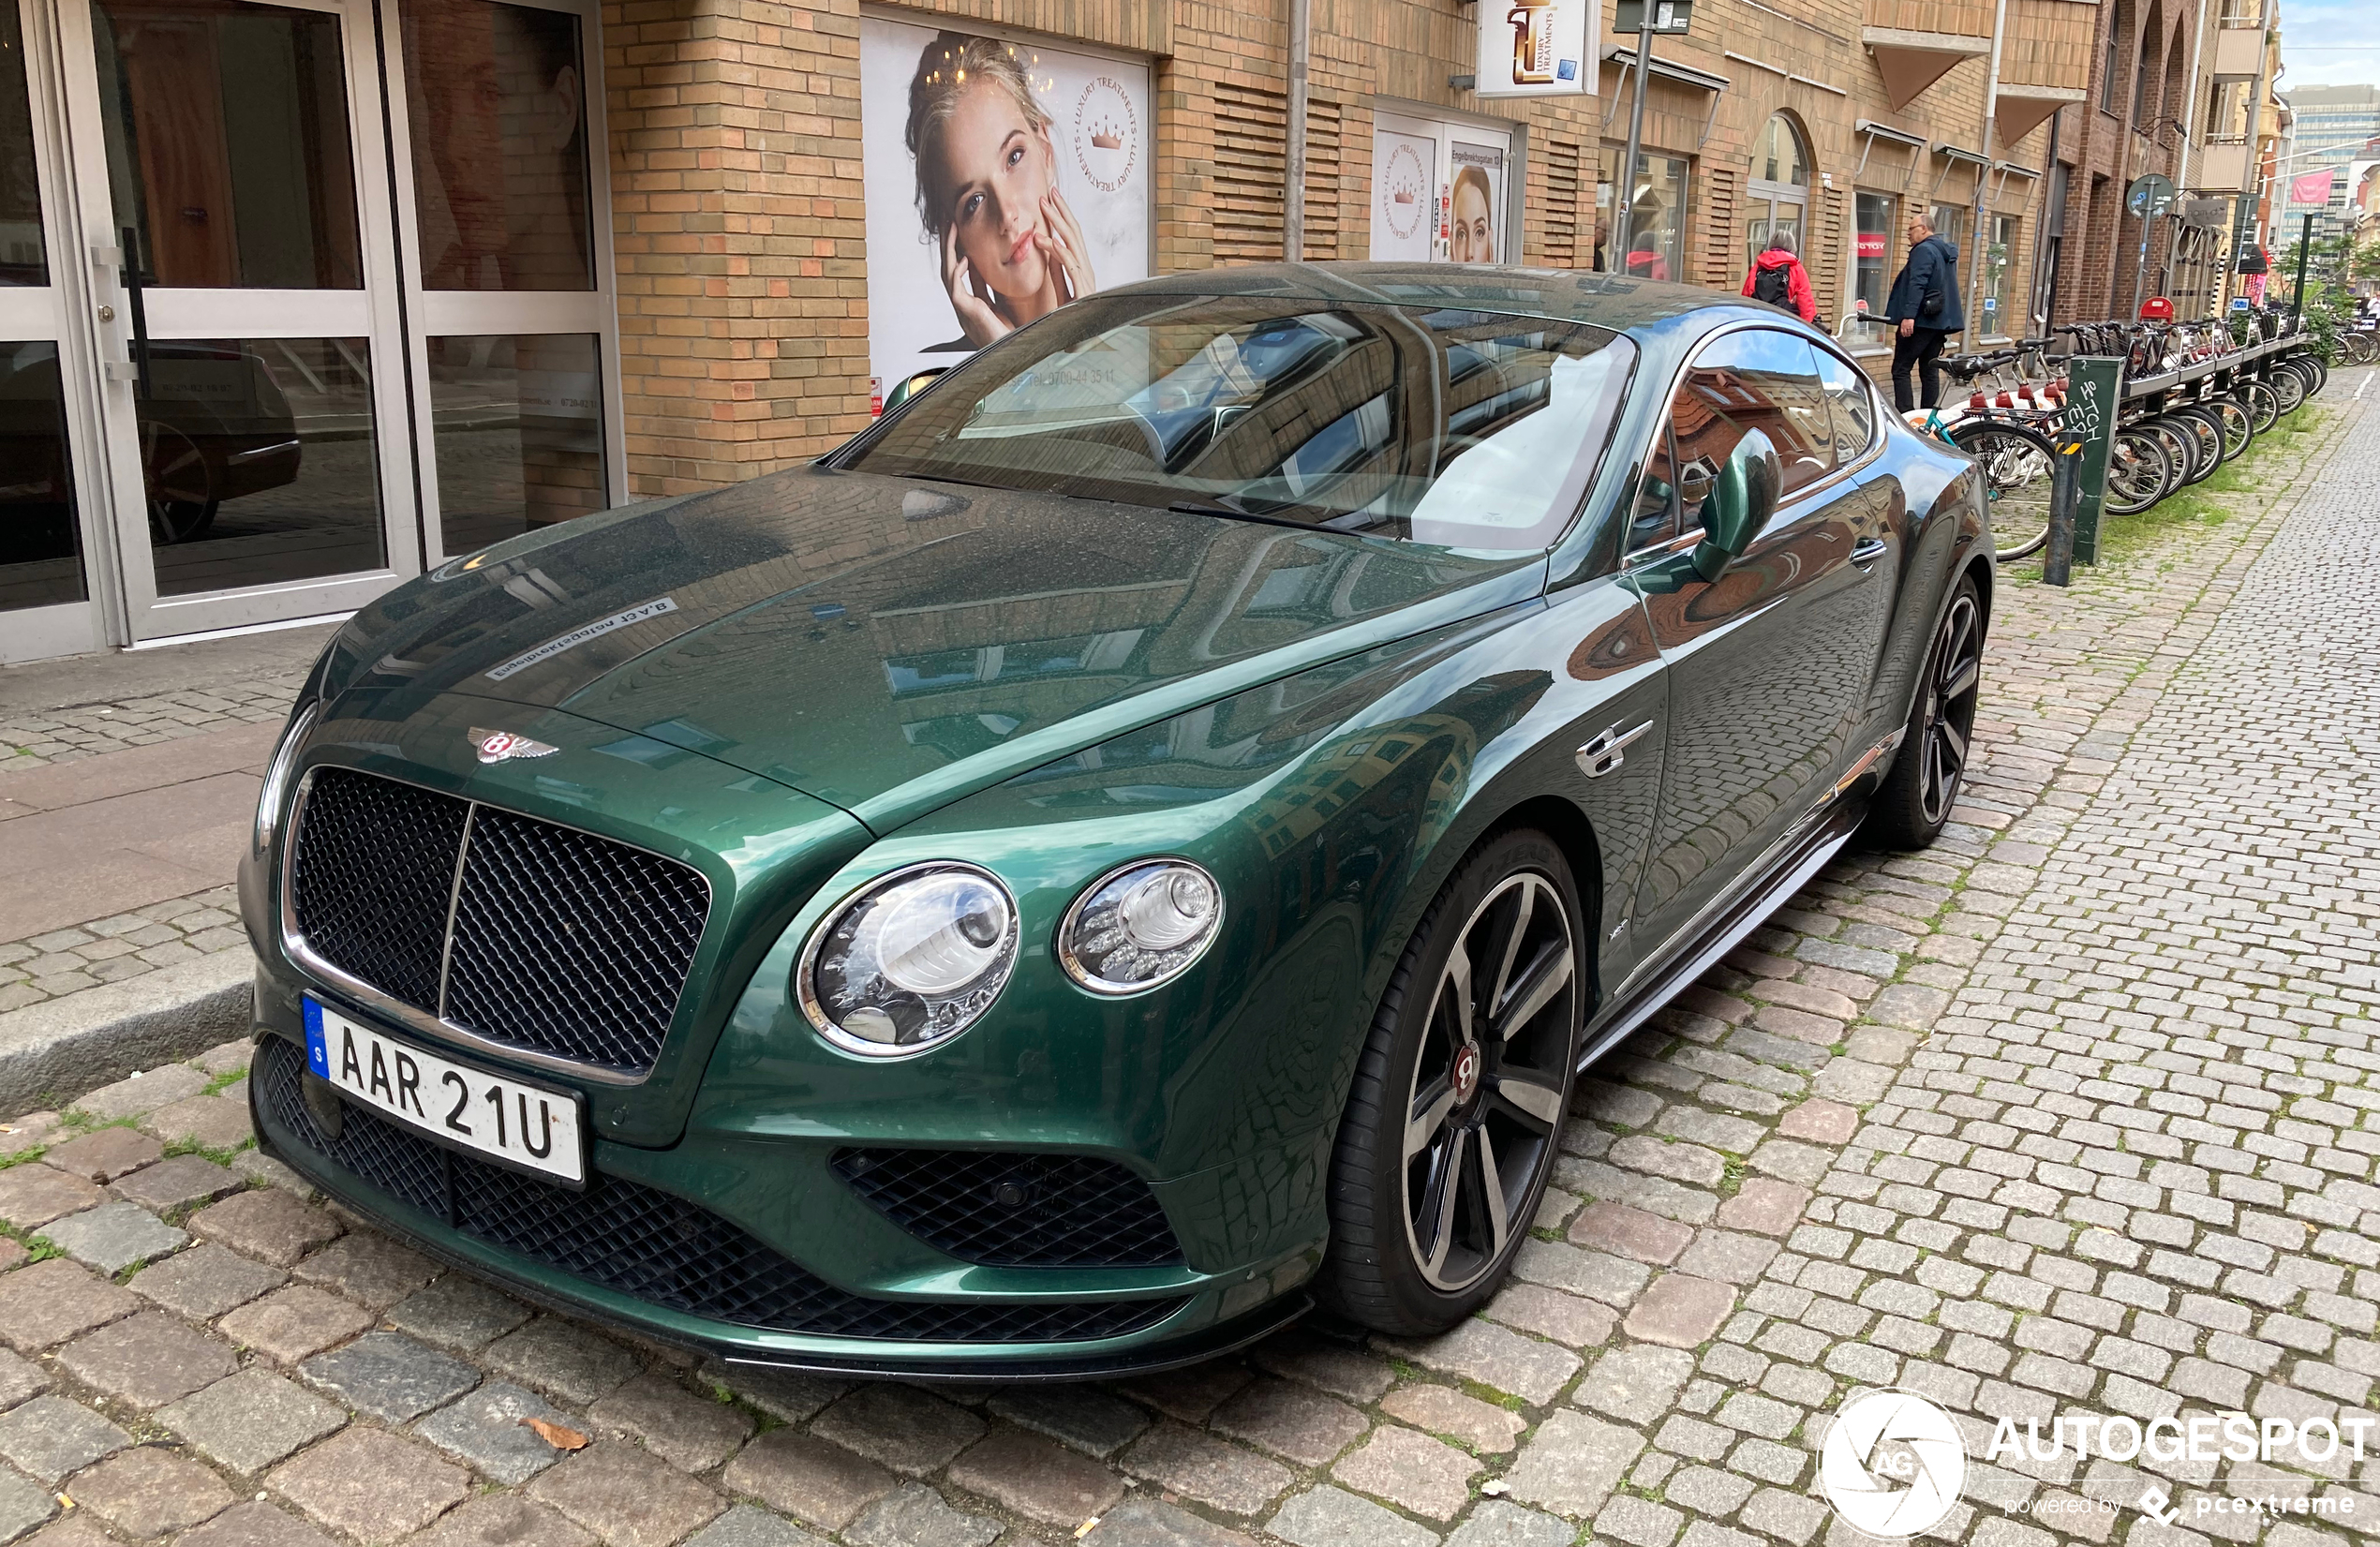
(1778, 278)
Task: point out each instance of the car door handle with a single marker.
(1608, 750)
(1870, 549)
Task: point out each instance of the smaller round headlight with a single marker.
(910, 961)
(1137, 927)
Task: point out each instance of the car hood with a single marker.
(888, 644)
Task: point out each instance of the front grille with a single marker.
(561, 942)
(1017, 1211)
(653, 1245)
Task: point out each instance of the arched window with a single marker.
(2144, 98)
(2119, 28)
(1780, 189)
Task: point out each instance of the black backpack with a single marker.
(1774, 286)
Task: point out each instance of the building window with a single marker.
(2242, 13)
(1778, 193)
(1950, 224)
(2227, 115)
(2143, 108)
(1657, 217)
(1871, 272)
(1998, 260)
(2116, 31)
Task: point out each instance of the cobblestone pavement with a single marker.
(2074, 1112)
(37, 739)
(109, 950)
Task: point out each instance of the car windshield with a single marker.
(1464, 429)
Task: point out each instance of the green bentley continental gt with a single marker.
(1134, 845)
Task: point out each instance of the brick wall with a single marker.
(737, 205)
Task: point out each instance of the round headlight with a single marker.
(1140, 925)
(912, 960)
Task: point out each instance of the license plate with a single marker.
(529, 1127)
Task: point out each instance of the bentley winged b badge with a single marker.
(496, 746)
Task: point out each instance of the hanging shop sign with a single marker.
(1536, 48)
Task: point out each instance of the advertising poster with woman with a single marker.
(1003, 180)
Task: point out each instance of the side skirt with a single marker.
(1791, 871)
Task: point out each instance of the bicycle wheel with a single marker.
(2138, 470)
(2015, 462)
(2238, 429)
(2288, 387)
(2262, 403)
(2210, 433)
(2183, 450)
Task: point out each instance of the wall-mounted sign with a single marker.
(1672, 18)
(1537, 47)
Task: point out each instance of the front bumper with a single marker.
(653, 1260)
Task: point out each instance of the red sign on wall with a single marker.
(1871, 244)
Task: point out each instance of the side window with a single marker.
(1751, 380)
(1656, 516)
(1853, 405)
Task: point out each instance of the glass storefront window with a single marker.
(495, 94)
(1657, 225)
(40, 546)
(1777, 193)
(226, 143)
(23, 260)
(1950, 224)
(519, 431)
(1998, 259)
(1871, 272)
(259, 463)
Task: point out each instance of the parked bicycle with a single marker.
(2197, 394)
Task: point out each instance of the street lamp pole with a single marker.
(1624, 185)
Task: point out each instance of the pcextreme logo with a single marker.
(1893, 1464)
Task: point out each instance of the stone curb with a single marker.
(98, 1035)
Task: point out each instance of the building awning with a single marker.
(1869, 131)
(1952, 156)
(1911, 61)
(1663, 70)
(2021, 110)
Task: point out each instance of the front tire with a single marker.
(1914, 803)
(1456, 1117)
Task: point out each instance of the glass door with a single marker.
(236, 209)
(516, 342)
(1439, 191)
(46, 574)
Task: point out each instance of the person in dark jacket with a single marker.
(1778, 278)
(1924, 311)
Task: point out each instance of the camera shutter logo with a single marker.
(1893, 1464)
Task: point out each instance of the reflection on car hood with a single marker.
(888, 645)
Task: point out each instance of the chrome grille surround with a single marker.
(593, 998)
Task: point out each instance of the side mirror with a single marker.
(910, 386)
(1742, 499)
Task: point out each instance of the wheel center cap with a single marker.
(1467, 1072)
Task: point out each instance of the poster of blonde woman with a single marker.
(1003, 180)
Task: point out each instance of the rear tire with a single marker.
(2263, 404)
(1455, 1116)
(1914, 803)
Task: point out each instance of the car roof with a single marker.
(1601, 300)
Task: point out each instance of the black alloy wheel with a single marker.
(180, 484)
(1914, 803)
(1453, 1123)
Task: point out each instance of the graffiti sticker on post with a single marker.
(2094, 391)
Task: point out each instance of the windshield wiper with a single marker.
(1187, 507)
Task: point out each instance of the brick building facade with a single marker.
(474, 266)
(740, 202)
